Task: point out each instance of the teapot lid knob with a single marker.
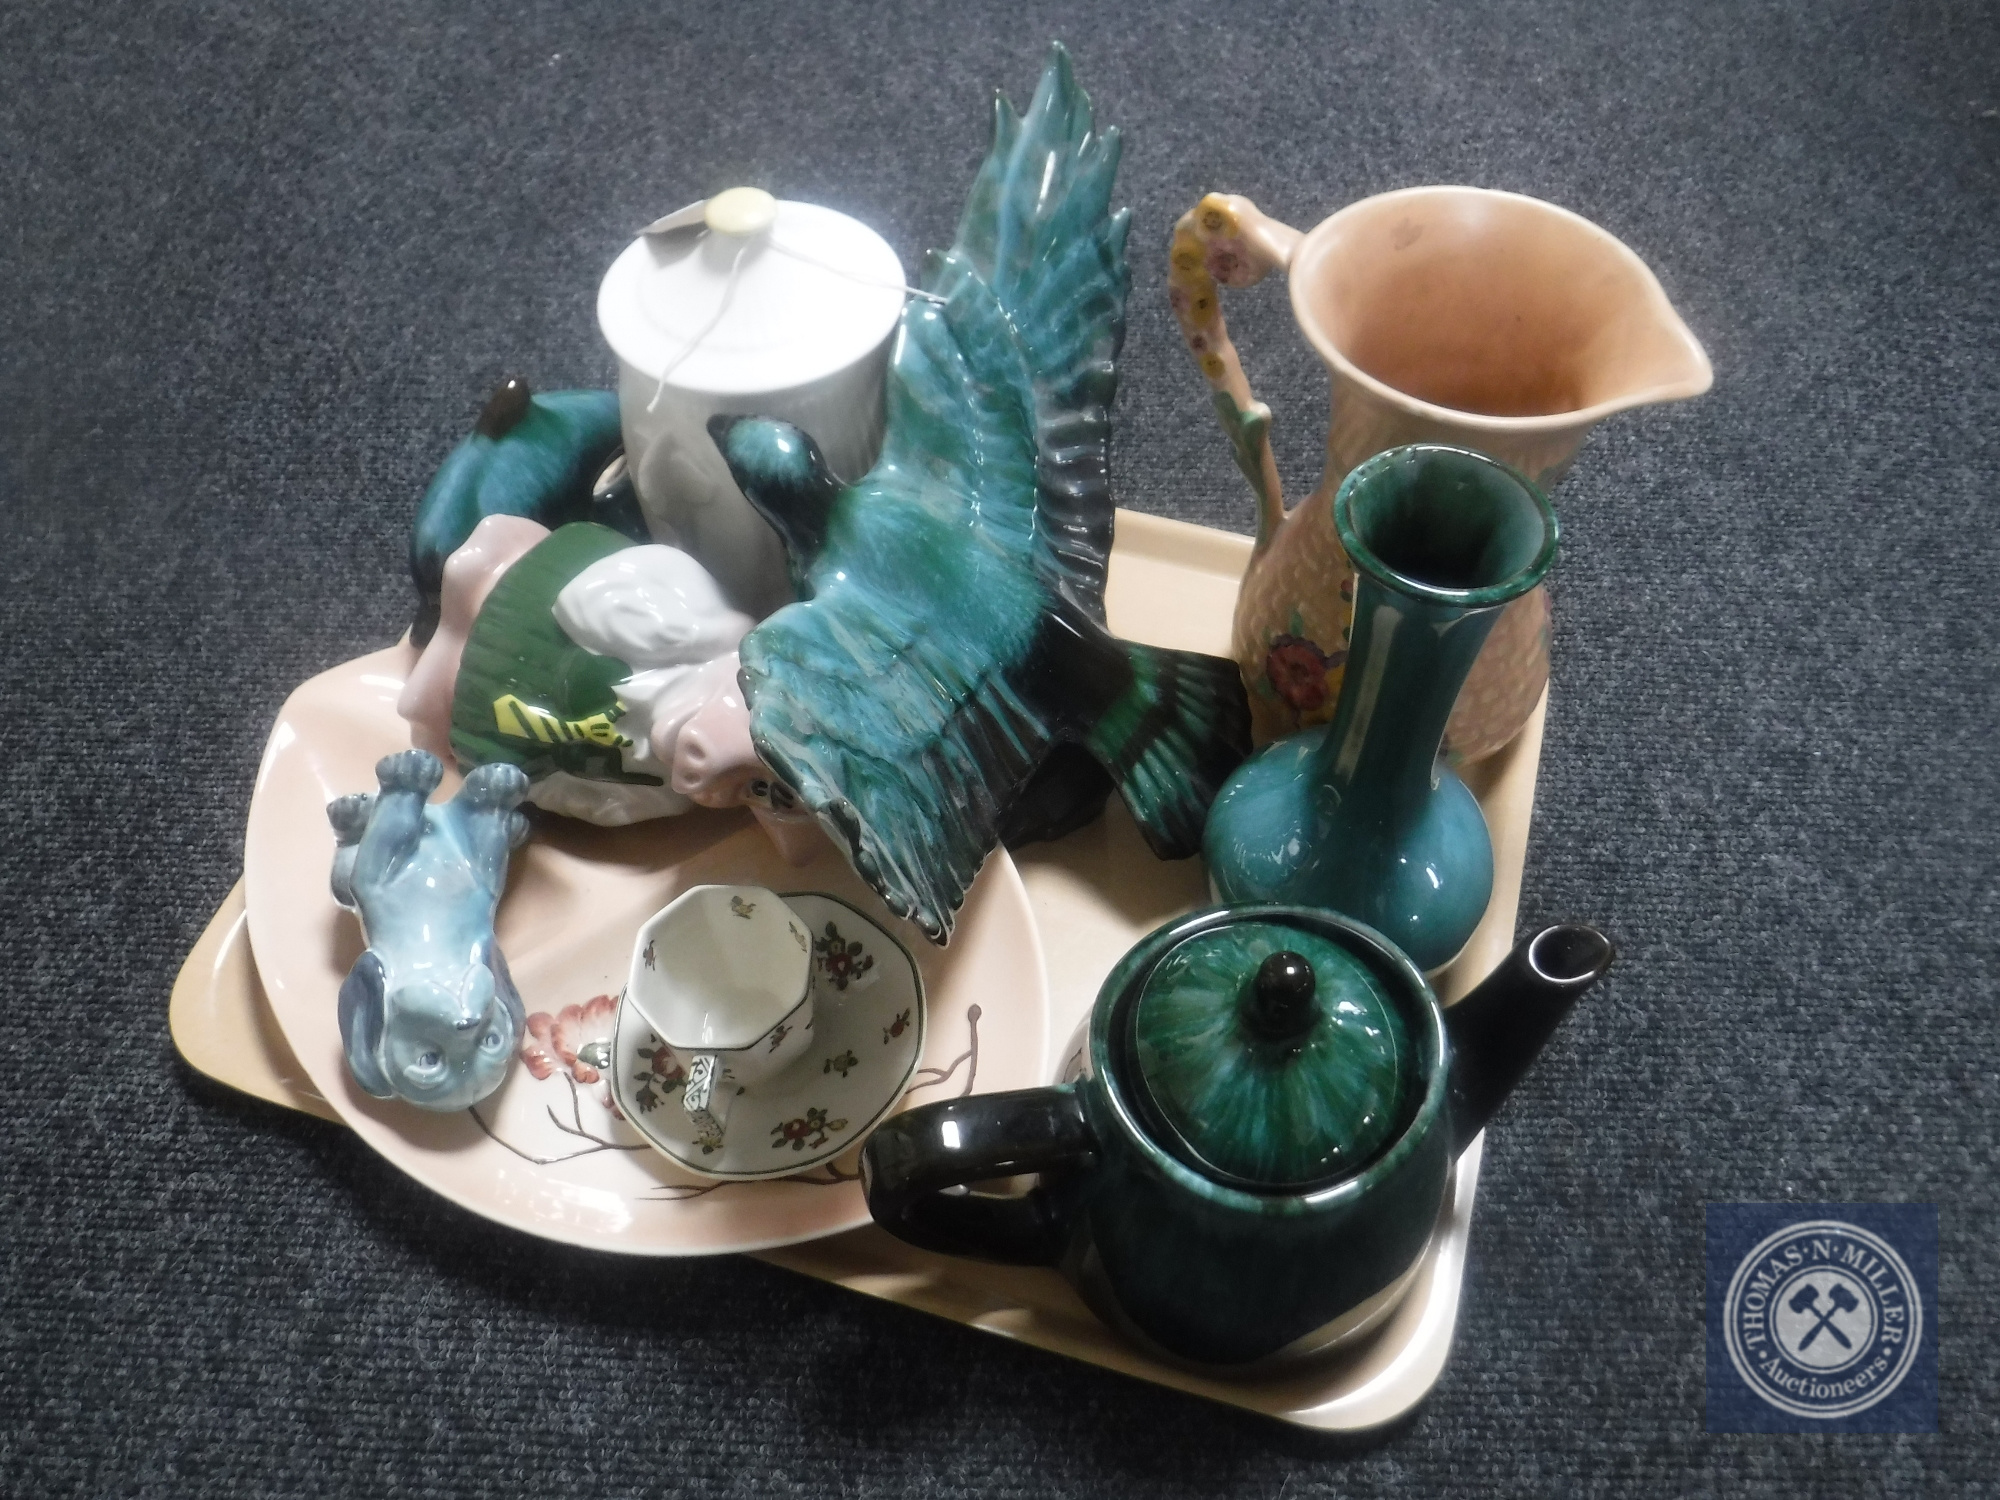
(1266, 1050)
(740, 211)
(1279, 1004)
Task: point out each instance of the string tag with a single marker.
(748, 214)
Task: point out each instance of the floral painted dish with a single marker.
(867, 1027)
(551, 1152)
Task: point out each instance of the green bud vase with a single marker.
(1358, 816)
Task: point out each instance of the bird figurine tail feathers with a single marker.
(950, 630)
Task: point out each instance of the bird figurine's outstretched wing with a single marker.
(1038, 230)
(950, 628)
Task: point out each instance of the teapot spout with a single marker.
(1499, 1029)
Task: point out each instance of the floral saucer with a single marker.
(867, 1034)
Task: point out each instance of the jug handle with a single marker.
(911, 1161)
(1225, 240)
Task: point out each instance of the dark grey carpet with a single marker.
(258, 264)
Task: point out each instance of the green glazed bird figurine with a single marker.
(547, 457)
(950, 632)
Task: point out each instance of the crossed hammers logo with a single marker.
(1807, 1301)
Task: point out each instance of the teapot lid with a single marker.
(1272, 1056)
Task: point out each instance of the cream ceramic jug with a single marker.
(1454, 315)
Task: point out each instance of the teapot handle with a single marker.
(910, 1161)
(1225, 240)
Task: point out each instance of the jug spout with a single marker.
(1487, 320)
(1499, 1029)
(1640, 354)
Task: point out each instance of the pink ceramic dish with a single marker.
(549, 1153)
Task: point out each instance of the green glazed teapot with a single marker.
(1252, 1155)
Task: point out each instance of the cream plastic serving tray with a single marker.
(1092, 895)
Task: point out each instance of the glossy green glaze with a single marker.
(1274, 1104)
(949, 634)
(1189, 1262)
(527, 694)
(1220, 1274)
(1358, 815)
(530, 455)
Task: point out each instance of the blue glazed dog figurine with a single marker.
(429, 1013)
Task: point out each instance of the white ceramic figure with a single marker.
(499, 684)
